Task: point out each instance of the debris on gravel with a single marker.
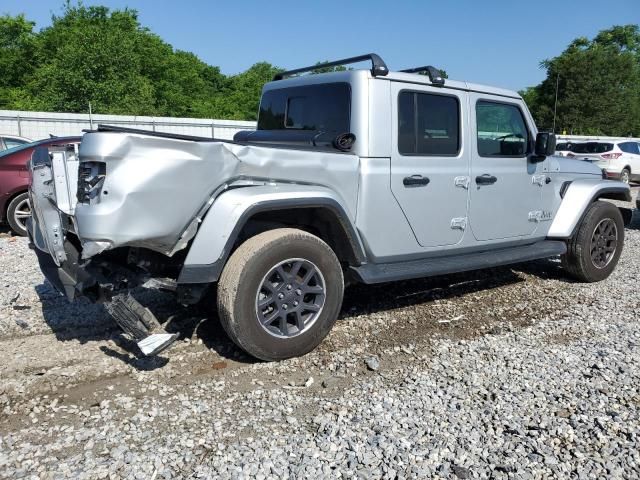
(535, 376)
(372, 363)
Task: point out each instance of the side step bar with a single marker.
(429, 267)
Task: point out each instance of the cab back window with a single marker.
(321, 108)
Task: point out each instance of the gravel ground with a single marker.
(508, 373)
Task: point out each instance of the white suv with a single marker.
(620, 159)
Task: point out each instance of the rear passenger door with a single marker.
(506, 187)
(430, 163)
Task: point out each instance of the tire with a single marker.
(251, 275)
(625, 175)
(589, 257)
(15, 214)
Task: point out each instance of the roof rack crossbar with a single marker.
(435, 75)
(378, 67)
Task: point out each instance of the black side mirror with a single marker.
(545, 145)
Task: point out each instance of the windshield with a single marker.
(19, 148)
(592, 147)
(46, 141)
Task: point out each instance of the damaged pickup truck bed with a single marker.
(357, 176)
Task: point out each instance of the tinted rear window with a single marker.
(592, 147)
(323, 108)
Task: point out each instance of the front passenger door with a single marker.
(506, 187)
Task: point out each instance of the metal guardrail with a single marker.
(21, 119)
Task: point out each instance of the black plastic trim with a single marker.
(208, 273)
(456, 262)
(378, 67)
(434, 74)
(175, 136)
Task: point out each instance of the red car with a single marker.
(14, 182)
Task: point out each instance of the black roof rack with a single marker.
(378, 67)
(435, 75)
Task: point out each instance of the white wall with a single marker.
(39, 125)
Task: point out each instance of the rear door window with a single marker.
(428, 124)
(632, 147)
(321, 108)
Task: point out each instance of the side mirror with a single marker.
(545, 145)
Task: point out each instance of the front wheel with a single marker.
(280, 293)
(594, 251)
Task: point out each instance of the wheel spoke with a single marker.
(293, 273)
(311, 307)
(308, 276)
(283, 275)
(314, 289)
(271, 318)
(299, 320)
(265, 302)
(283, 325)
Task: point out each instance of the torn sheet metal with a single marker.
(155, 190)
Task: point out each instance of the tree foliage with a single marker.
(598, 85)
(107, 58)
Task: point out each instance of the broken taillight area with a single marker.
(91, 176)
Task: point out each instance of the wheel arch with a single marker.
(578, 196)
(243, 213)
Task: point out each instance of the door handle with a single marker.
(415, 181)
(486, 179)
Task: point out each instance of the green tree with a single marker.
(107, 58)
(17, 51)
(240, 97)
(598, 85)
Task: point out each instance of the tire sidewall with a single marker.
(250, 334)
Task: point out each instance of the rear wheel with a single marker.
(625, 175)
(280, 293)
(594, 251)
(18, 212)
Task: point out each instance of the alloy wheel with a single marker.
(604, 242)
(22, 212)
(290, 298)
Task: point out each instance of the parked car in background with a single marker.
(14, 181)
(563, 149)
(8, 142)
(619, 159)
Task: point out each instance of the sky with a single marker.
(496, 42)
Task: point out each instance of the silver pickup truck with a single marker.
(363, 175)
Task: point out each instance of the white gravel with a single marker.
(511, 373)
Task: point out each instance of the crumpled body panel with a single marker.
(155, 188)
